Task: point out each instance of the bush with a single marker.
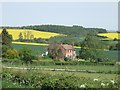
(25, 55)
(11, 54)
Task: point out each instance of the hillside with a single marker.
(68, 30)
(77, 31)
(37, 34)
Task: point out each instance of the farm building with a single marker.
(62, 51)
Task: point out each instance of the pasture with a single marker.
(37, 34)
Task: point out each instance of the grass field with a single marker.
(37, 34)
(110, 36)
(36, 49)
(41, 48)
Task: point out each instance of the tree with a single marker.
(91, 48)
(55, 53)
(6, 38)
(20, 36)
(26, 54)
(6, 41)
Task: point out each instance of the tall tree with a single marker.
(6, 38)
(26, 54)
(91, 48)
(20, 36)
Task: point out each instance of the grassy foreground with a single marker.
(57, 79)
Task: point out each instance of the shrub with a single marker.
(25, 55)
(11, 54)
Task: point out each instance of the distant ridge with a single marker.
(68, 30)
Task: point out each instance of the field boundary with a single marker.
(52, 69)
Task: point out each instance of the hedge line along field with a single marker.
(37, 34)
(110, 36)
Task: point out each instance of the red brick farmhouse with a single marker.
(62, 51)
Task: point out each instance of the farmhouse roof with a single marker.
(67, 47)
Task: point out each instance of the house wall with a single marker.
(70, 53)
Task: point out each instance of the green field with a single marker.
(38, 50)
(35, 49)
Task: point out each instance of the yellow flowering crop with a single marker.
(28, 43)
(110, 36)
(37, 34)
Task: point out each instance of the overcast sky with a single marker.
(87, 14)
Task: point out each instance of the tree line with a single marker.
(74, 30)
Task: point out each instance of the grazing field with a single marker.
(37, 34)
(110, 36)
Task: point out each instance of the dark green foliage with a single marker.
(92, 55)
(118, 46)
(115, 39)
(6, 38)
(93, 42)
(66, 40)
(25, 55)
(68, 30)
(114, 46)
(91, 48)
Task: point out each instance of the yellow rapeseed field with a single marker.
(38, 44)
(37, 34)
(28, 43)
(110, 36)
